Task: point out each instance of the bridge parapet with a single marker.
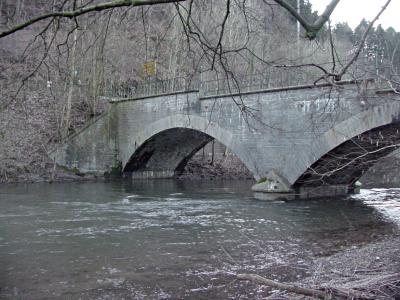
(273, 78)
(277, 77)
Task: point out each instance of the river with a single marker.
(168, 239)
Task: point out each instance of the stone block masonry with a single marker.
(293, 132)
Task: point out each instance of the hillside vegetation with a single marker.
(53, 74)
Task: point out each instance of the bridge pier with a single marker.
(323, 191)
(275, 187)
(152, 174)
(308, 192)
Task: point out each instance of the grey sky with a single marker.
(352, 11)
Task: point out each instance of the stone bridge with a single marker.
(298, 142)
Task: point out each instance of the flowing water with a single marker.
(170, 239)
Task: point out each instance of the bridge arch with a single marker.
(164, 147)
(342, 154)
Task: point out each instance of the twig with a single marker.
(338, 293)
(282, 286)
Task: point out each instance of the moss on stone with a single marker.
(262, 180)
(116, 170)
(73, 170)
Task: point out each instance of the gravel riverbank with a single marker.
(373, 268)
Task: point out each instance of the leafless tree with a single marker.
(70, 52)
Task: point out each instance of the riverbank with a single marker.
(50, 176)
(226, 168)
(369, 268)
(372, 268)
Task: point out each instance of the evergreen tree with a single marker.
(343, 31)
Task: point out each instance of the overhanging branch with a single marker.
(311, 28)
(84, 10)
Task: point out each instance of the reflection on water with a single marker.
(386, 201)
(169, 239)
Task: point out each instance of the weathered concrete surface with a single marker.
(94, 149)
(283, 130)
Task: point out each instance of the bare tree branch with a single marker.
(85, 10)
(311, 28)
(327, 293)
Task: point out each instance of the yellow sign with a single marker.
(150, 68)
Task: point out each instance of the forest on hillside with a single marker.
(54, 74)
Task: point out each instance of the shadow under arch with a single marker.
(164, 147)
(348, 150)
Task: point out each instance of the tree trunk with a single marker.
(67, 122)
